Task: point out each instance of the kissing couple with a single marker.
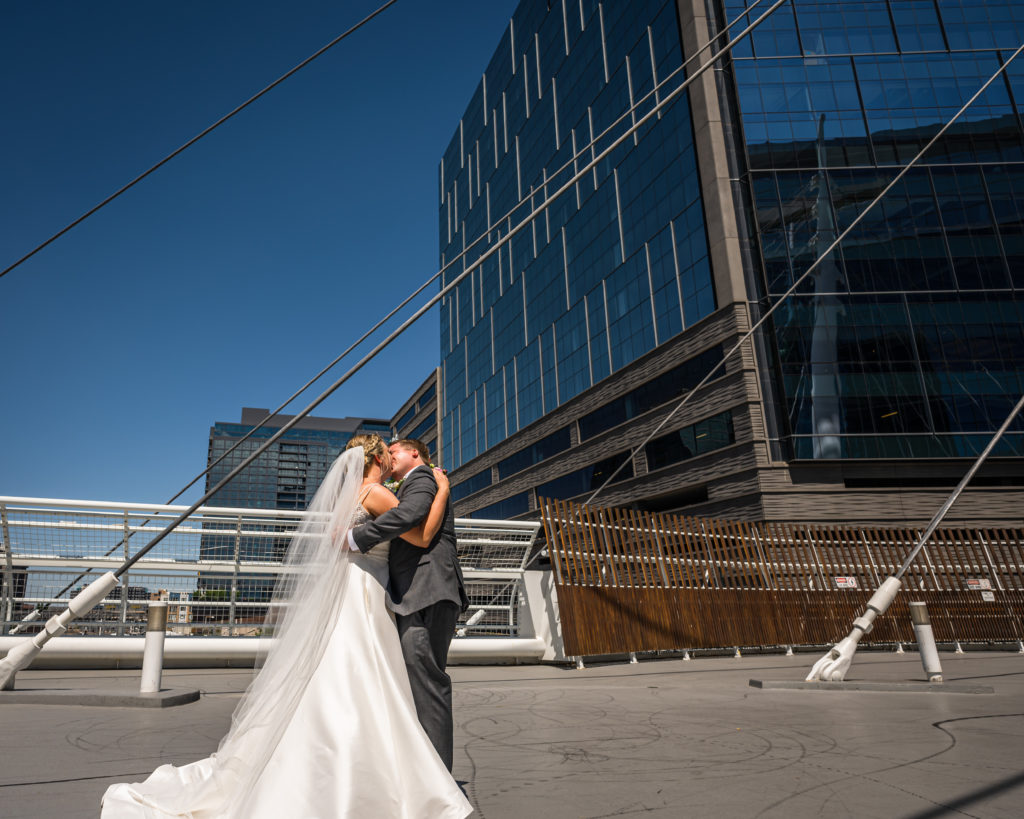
(350, 714)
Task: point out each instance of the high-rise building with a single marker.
(868, 391)
(288, 474)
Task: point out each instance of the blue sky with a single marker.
(235, 272)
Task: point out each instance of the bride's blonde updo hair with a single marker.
(373, 446)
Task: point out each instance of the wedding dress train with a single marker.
(350, 747)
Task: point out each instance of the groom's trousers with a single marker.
(426, 635)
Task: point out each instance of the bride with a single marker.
(328, 727)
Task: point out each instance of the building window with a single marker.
(587, 479)
(514, 505)
(474, 483)
(704, 436)
(424, 426)
(535, 453)
(406, 417)
(614, 269)
(655, 392)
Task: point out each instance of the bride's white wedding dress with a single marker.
(350, 747)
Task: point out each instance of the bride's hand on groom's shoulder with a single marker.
(441, 477)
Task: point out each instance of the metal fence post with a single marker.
(232, 606)
(123, 619)
(7, 596)
(926, 641)
(512, 609)
(153, 652)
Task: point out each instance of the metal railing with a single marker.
(216, 570)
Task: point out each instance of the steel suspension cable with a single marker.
(792, 289)
(937, 518)
(458, 257)
(197, 137)
(593, 142)
(500, 243)
(41, 607)
(461, 255)
(447, 266)
(20, 656)
(444, 291)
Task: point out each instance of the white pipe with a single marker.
(25, 649)
(834, 665)
(217, 652)
(59, 503)
(153, 652)
(468, 524)
(926, 642)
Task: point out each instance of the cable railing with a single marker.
(216, 570)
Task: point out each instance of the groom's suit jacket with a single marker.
(419, 577)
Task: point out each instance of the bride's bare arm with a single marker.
(423, 534)
(379, 500)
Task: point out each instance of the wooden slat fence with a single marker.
(639, 581)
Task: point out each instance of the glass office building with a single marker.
(895, 361)
(288, 474)
(417, 417)
(907, 341)
(617, 265)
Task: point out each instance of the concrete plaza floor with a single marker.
(664, 738)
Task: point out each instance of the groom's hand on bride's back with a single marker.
(344, 540)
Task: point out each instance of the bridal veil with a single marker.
(301, 617)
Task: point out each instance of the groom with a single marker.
(426, 590)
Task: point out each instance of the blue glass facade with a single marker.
(909, 340)
(618, 265)
(288, 474)
(417, 417)
(574, 341)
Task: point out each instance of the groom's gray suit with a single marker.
(426, 593)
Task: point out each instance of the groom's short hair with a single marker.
(413, 443)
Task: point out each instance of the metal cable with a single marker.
(457, 258)
(807, 272)
(593, 142)
(462, 254)
(34, 614)
(197, 137)
(937, 519)
(445, 290)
